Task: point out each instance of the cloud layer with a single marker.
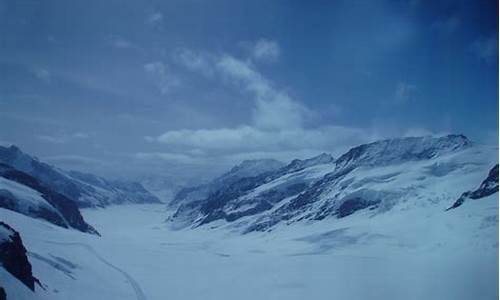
(277, 123)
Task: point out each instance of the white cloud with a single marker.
(416, 132)
(154, 18)
(72, 160)
(163, 79)
(266, 50)
(52, 139)
(120, 43)
(167, 156)
(62, 138)
(80, 135)
(251, 139)
(42, 74)
(195, 61)
(277, 125)
(274, 109)
(486, 49)
(405, 92)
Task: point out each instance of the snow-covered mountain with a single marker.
(251, 195)
(247, 168)
(86, 190)
(377, 177)
(376, 215)
(22, 193)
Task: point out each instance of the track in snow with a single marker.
(137, 288)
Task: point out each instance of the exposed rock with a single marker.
(13, 256)
(488, 187)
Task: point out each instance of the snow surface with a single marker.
(418, 253)
(27, 199)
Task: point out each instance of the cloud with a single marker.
(274, 109)
(62, 138)
(486, 49)
(51, 139)
(75, 160)
(266, 50)
(405, 92)
(169, 157)
(277, 124)
(163, 79)
(42, 74)
(195, 61)
(251, 139)
(416, 132)
(120, 42)
(154, 18)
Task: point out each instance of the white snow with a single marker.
(422, 253)
(408, 248)
(26, 198)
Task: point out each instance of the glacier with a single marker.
(374, 223)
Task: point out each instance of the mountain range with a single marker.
(374, 199)
(86, 190)
(375, 178)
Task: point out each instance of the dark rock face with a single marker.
(13, 257)
(489, 186)
(3, 296)
(352, 205)
(68, 210)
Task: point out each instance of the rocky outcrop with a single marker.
(488, 187)
(13, 256)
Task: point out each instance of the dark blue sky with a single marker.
(131, 87)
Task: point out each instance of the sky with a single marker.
(189, 88)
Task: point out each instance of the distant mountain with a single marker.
(488, 187)
(85, 190)
(250, 195)
(375, 178)
(247, 168)
(25, 194)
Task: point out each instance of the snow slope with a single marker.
(247, 168)
(397, 174)
(23, 193)
(412, 254)
(372, 224)
(84, 189)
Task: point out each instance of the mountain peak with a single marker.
(298, 164)
(254, 166)
(402, 149)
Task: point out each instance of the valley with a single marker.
(410, 218)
